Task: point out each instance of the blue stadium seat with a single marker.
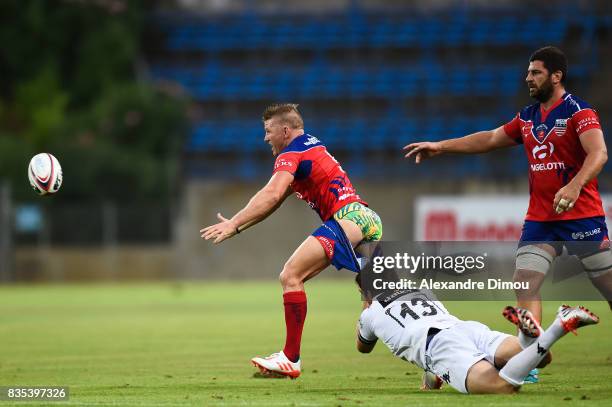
(332, 81)
(352, 135)
(320, 77)
(359, 31)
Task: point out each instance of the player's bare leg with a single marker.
(506, 350)
(598, 266)
(308, 260)
(352, 231)
(603, 284)
(532, 266)
(483, 378)
(530, 298)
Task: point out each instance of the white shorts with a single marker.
(453, 351)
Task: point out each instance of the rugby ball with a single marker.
(45, 174)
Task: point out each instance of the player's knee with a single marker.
(525, 276)
(486, 380)
(532, 262)
(598, 264)
(289, 276)
(501, 386)
(284, 277)
(506, 388)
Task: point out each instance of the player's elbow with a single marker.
(601, 158)
(363, 350)
(604, 156)
(276, 197)
(600, 154)
(273, 196)
(363, 347)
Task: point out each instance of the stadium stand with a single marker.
(240, 33)
(328, 81)
(383, 78)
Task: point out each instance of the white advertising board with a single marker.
(475, 217)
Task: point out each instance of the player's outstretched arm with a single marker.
(261, 205)
(475, 143)
(594, 146)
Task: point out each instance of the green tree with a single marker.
(69, 86)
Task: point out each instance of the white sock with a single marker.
(520, 364)
(524, 340)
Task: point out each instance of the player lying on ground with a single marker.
(566, 150)
(465, 354)
(304, 166)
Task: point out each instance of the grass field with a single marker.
(190, 343)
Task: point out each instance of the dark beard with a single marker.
(544, 94)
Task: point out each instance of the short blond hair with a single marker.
(287, 113)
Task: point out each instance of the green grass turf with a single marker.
(190, 344)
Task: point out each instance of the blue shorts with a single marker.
(573, 234)
(337, 246)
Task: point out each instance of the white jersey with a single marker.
(401, 319)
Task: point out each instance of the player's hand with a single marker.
(422, 150)
(220, 231)
(565, 198)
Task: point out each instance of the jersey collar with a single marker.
(545, 112)
(296, 141)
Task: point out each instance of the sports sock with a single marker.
(520, 364)
(295, 315)
(524, 340)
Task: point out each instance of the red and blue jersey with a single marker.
(555, 155)
(319, 178)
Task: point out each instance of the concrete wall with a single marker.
(99, 264)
